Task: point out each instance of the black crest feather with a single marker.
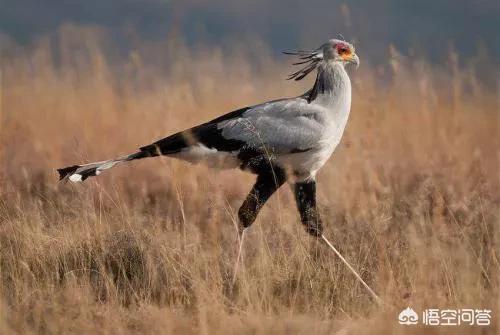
(311, 60)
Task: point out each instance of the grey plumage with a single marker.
(294, 136)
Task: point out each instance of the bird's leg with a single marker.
(241, 236)
(267, 183)
(305, 196)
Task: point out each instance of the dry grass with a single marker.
(411, 198)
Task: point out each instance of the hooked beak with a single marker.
(354, 60)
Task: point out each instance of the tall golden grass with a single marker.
(410, 197)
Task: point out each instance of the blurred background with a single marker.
(426, 28)
(411, 196)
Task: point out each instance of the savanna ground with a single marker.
(411, 197)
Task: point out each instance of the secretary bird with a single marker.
(282, 140)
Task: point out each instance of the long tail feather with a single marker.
(78, 173)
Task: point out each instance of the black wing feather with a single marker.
(207, 134)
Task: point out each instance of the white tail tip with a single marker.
(75, 178)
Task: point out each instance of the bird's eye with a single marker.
(342, 49)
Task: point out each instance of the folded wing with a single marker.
(278, 127)
(283, 127)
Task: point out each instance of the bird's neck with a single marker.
(332, 87)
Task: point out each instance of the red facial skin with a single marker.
(343, 49)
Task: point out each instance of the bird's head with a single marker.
(334, 51)
(340, 51)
